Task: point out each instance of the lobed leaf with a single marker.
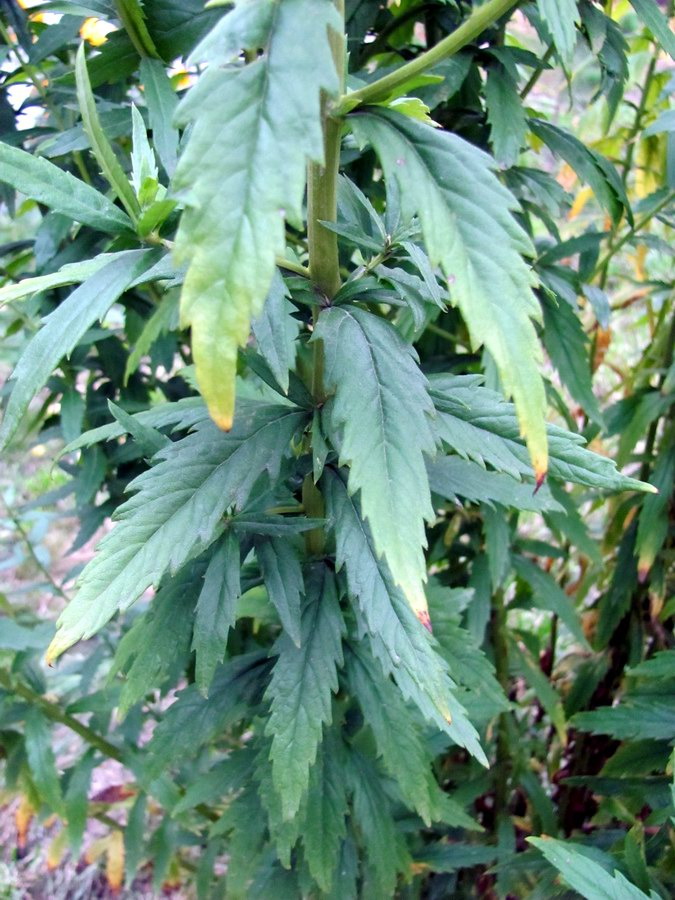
(176, 513)
(303, 680)
(468, 226)
(380, 422)
(243, 171)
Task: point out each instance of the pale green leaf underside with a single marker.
(469, 229)
(176, 513)
(381, 410)
(253, 129)
(303, 681)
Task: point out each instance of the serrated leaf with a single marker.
(102, 149)
(301, 688)
(590, 166)
(386, 853)
(381, 412)
(324, 826)
(176, 513)
(635, 719)
(275, 331)
(41, 759)
(162, 102)
(468, 226)
(585, 875)
(149, 439)
(450, 476)
(560, 18)
(282, 574)
(253, 129)
(399, 641)
(76, 800)
(194, 720)
(567, 345)
(656, 22)
(479, 424)
(63, 329)
(58, 190)
(156, 648)
(395, 729)
(163, 319)
(506, 116)
(215, 612)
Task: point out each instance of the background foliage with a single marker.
(253, 652)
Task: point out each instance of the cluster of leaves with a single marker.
(404, 660)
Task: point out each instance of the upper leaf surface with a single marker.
(302, 682)
(468, 227)
(382, 409)
(480, 425)
(176, 513)
(243, 171)
(46, 183)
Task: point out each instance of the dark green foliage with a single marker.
(386, 634)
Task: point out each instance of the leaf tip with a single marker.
(222, 420)
(423, 616)
(540, 478)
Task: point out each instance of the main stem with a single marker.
(324, 262)
(481, 18)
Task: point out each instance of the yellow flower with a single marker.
(96, 31)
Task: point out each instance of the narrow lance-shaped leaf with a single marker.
(243, 171)
(103, 151)
(656, 22)
(284, 581)
(303, 680)
(161, 101)
(560, 18)
(380, 422)
(60, 191)
(469, 229)
(176, 514)
(64, 327)
(215, 613)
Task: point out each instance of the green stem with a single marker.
(537, 73)
(33, 555)
(501, 660)
(324, 262)
(290, 266)
(480, 19)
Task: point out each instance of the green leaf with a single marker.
(156, 648)
(163, 320)
(506, 116)
(133, 19)
(149, 439)
(479, 424)
(176, 513)
(76, 800)
(635, 719)
(71, 273)
(654, 520)
(215, 613)
(276, 331)
(547, 594)
(284, 581)
(544, 690)
(324, 827)
(399, 641)
(591, 167)
(303, 680)
(656, 22)
(162, 102)
(560, 18)
(103, 151)
(386, 853)
(396, 734)
(567, 345)
(63, 329)
(253, 128)
(143, 162)
(42, 761)
(450, 476)
(58, 190)
(585, 875)
(381, 412)
(194, 720)
(468, 226)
